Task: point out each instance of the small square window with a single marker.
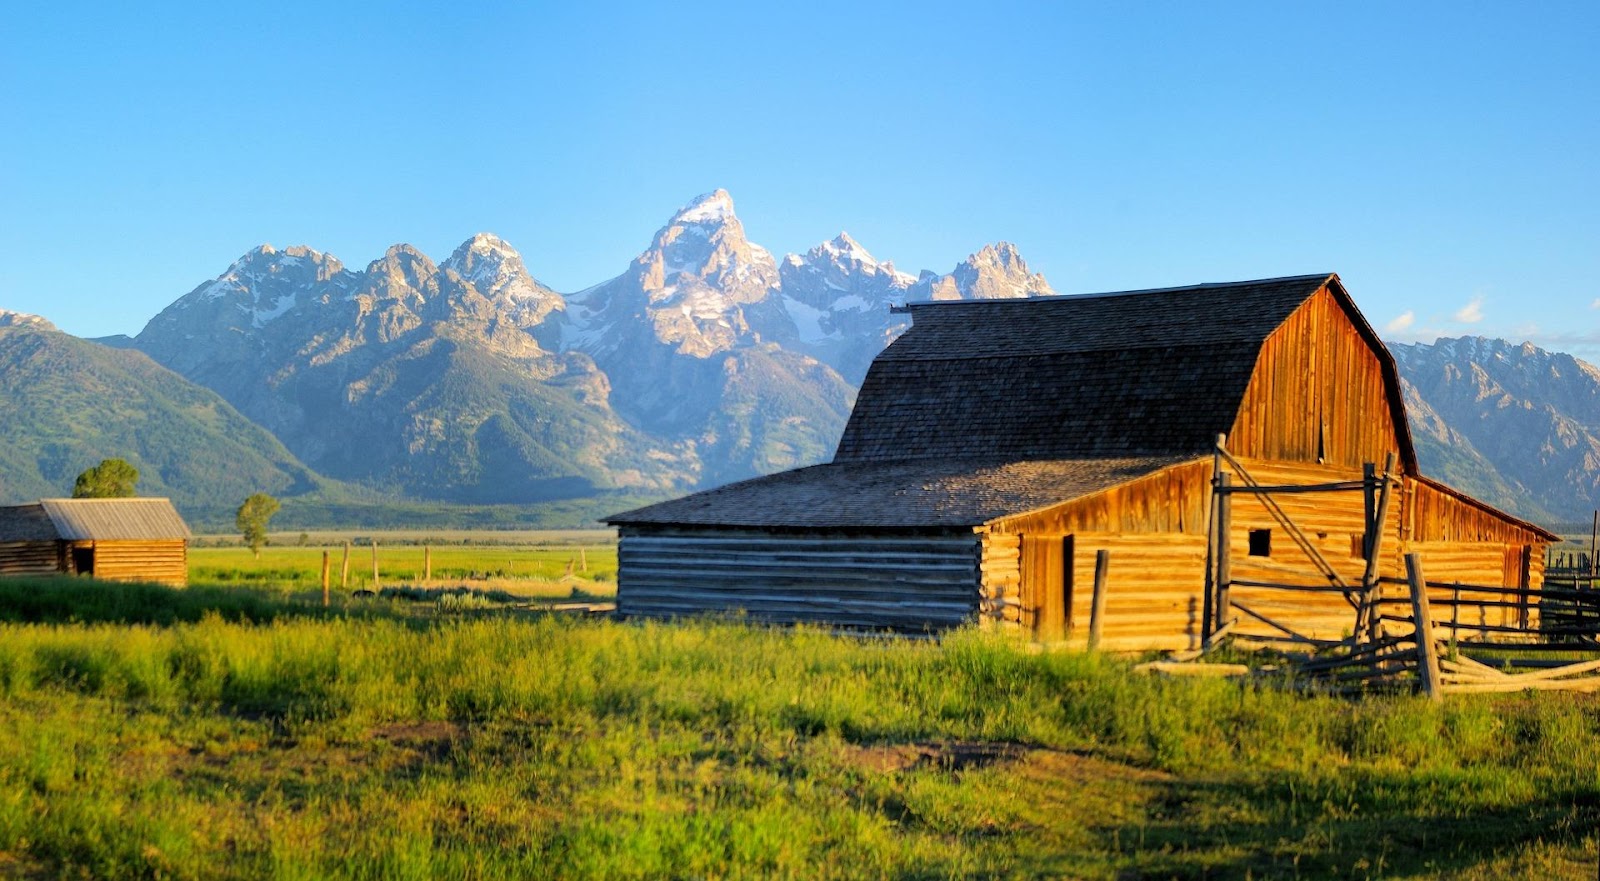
(1260, 542)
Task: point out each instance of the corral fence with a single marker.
(1440, 637)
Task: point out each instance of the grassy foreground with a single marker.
(258, 742)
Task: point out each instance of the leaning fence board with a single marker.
(1588, 684)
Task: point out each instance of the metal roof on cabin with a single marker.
(1136, 373)
(25, 523)
(115, 519)
(948, 493)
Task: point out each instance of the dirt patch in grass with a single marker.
(422, 736)
(963, 755)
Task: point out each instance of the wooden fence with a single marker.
(1436, 637)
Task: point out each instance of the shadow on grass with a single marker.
(1189, 834)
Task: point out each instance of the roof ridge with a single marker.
(1022, 356)
(1322, 276)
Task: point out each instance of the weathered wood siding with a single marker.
(908, 583)
(1170, 500)
(31, 558)
(1317, 394)
(1438, 514)
(161, 562)
(1155, 530)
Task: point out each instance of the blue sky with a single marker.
(1441, 157)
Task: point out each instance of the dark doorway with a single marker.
(83, 560)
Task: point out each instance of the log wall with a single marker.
(906, 583)
(160, 562)
(1154, 588)
(31, 558)
(1000, 593)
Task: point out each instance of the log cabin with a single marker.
(1211, 439)
(110, 539)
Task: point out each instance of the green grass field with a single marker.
(528, 570)
(246, 732)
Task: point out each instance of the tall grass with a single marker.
(298, 748)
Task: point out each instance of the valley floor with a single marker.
(241, 733)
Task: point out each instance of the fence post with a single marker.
(1097, 609)
(1594, 545)
(344, 569)
(427, 564)
(1427, 650)
(1224, 550)
(375, 583)
(1208, 599)
(327, 564)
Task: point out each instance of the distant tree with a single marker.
(111, 479)
(252, 520)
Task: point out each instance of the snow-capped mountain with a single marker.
(429, 379)
(496, 270)
(704, 361)
(689, 336)
(838, 296)
(691, 290)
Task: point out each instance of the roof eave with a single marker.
(1487, 508)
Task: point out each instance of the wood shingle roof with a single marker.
(938, 493)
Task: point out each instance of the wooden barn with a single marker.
(1219, 442)
(110, 539)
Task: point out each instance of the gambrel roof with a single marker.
(1136, 373)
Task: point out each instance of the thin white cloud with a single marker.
(1595, 304)
(1401, 323)
(1472, 313)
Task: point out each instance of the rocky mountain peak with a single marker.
(295, 260)
(849, 255)
(996, 271)
(715, 207)
(704, 240)
(496, 270)
(8, 318)
(403, 266)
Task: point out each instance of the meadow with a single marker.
(244, 731)
(530, 564)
